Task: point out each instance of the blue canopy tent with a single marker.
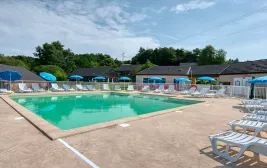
(124, 78)
(48, 77)
(10, 75)
(207, 79)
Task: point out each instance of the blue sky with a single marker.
(116, 26)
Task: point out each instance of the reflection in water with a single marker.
(74, 111)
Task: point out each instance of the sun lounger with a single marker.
(130, 88)
(145, 89)
(218, 93)
(257, 126)
(37, 88)
(80, 87)
(202, 92)
(55, 88)
(244, 141)
(91, 88)
(117, 88)
(253, 101)
(106, 87)
(190, 91)
(66, 87)
(23, 88)
(5, 91)
(170, 89)
(253, 107)
(255, 117)
(160, 89)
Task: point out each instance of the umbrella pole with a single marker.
(10, 82)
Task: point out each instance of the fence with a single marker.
(230, 91)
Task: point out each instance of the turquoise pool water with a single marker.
(73, 111)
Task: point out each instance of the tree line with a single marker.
(60, 61)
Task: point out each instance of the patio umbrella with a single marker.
(76, 77)
(182, 80)
(259, 80)
(99, 78)
(10, 75)
(206, 78)
(154, 79)
(48, 77)
(124, 78)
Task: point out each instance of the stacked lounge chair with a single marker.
(106, 87)
(190, 91)
(145, 89)
(37, 88)
(201, 93)
(117, 88)
(5, 91)
(91, 87)
(81, 87)
(170, 90)
(218, 93)
(67, 87)
(256, 122)
(160, 89)
(130, 88)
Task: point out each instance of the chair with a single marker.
(202, 92)
(67, 87)
(117, 88)
(257, 126)
(80, 87)
(37, 88)
(257, 106)
(130, 88)
(186, 92)
(160, 89)
(55, 88)
(256, 117)
(218, 93)
(145, 89)
(91, 88)
(5, 91)
(23, 88)
(244, 141)
(170, 89)
(106, 87)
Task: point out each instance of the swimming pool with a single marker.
(73, 111)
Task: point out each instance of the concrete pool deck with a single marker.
(176, 139)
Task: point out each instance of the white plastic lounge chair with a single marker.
(66, 87)
(190, 91)
(170, 89)
(55, 88)
(244, 141)
(160, 89)
(117, 88)
(253, 101)
(202, 92)
(23, 88)
(255, 117)
(130, 88)
(106, 87)
(218, 93)
(5, 91)
(254, 107)
(257, 126)
(145, 89)
(37, 88)
(91, 88)
(80, 87)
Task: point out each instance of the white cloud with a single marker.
(192, 5)
(85, 26)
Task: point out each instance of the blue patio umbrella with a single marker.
(206, 78)
(124, 78)
(10, 75)
(99, 78)
(259, 80)
(155, 79)
(182, 80)
(75, 77)
(47, 76)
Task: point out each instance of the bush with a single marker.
(53, 69)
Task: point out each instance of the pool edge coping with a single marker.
(53, 132)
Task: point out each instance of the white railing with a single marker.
(260, 92)
(230, 91)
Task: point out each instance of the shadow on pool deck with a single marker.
(244, 161)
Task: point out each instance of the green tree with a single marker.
(53, 69)
(12, 62)
(209, 55)
(148, 64)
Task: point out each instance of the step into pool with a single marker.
(73, 111)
